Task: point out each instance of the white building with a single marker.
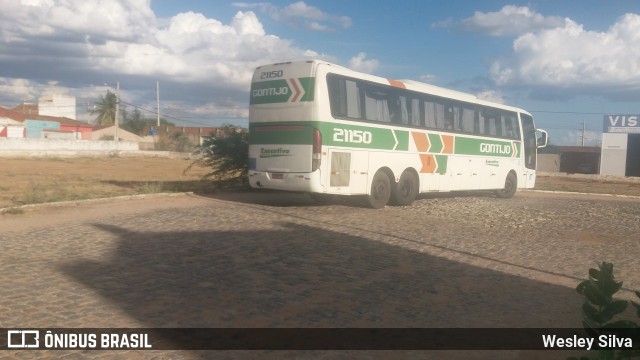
(58, 105)
(620, 145)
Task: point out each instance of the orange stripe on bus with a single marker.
(447, 141)
(421, 140)
(428, 163)
(396, 83)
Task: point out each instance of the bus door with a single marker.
(348, 172)
(530, 149)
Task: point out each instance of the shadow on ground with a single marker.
(196, 186)
(300, 276)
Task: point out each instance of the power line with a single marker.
(570, 112)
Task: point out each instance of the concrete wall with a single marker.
(548, 162)
(613, 160)
(61, 147)
(84, 132)
(35, 127)
(12, 131)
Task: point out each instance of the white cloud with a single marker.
(510, 20)
(575, 60)
(196, 48)
(361, 63)
(300, 14)
(428, 78)
(491, 95)
(22, 89)
(111, 19)
(107, 40)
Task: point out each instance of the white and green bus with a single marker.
(320, 128)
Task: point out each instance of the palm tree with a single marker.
(106, 109)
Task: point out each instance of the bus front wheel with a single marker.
(405, 192)
(380, 190)
(510, 187)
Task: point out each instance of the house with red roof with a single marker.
(10, 124)
(35, 124)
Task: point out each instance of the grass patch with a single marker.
(33, 194)
(150, 187)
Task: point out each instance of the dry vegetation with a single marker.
(38, 180)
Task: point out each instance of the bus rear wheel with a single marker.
(380, 190)
(405, 192)
(510, 187)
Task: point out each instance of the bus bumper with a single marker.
(306, 182)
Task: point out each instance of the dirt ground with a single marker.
(38, 180)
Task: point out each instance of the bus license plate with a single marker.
(277, 176)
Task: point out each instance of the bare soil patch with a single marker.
(587, 186)
(40, 180)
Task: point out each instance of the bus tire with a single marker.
(406, 190)
(380, 190)
(510, 187)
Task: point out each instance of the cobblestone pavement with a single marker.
(278, 260)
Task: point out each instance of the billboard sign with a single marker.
(629, 124)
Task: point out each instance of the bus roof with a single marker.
(405, 83)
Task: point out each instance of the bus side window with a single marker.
(393, 104)
(448, 117)
(480, 123)
(492, 120)
(376, 104)
(398, 110)
(414, 114)
(430, 115)
(467, 120)
(513, 131)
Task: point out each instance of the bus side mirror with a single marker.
(542, 139)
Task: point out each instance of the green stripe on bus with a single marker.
(282, 91)
(366, 137)
(436, 143)
(487, 147)
(403, 140)
(442, 161)
(281, 134)
(308, 84)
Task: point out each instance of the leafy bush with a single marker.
(175, 141)
(600, 308)
(226, 155)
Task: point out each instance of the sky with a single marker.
(567, 62)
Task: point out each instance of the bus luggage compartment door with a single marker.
(348, 172)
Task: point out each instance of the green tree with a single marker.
(134, 122)
(226, 155)
(106, 109)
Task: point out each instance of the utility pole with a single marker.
(583, 131)
(115, 136)
(158, 98)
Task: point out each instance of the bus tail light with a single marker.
(316, 156)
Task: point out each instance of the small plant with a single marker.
(35, 194)
(150, 187)
(600, 308)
